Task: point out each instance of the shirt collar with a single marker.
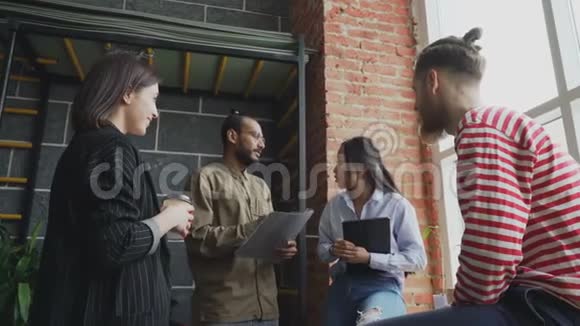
(237, 173)
(377, 196)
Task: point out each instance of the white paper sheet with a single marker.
(275, 229)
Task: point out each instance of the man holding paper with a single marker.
(230, 204)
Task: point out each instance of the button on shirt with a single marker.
(407, 249)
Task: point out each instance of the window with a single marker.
(576, 115)
(556, 129)
(532, 49)
(576, 17)
(506, 47)
(554, 126)
(453, 222)
(567, 21)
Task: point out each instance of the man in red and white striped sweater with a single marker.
(519, 195)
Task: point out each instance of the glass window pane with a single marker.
(576, 67)
(576, 15)
(512, 56)
(576, 117)
(554, 126)
(556, 131)
(453, 219)
(446, 143)
(567, 17)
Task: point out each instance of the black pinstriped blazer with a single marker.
(100, 265)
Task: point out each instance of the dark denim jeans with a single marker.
(246, 323)
(520, 306)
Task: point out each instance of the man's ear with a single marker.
(232, 136)
(128, 97)
(433, 81)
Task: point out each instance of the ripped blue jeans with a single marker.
(360, 300)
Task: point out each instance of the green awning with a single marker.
(62, 17)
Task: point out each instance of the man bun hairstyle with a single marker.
(459, 55)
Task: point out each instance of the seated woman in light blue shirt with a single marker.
(369, 193)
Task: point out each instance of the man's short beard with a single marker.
(245, 157)
(432, 135)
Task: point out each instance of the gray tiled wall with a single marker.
(167, 8)
(271, 15)
(4, 160)
(117, 4)
(11, 200)
(186, 137)
(242, 19)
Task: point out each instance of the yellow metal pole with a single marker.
(220, 75)
(150, 56)
(258, 66)
(39, 60)
(10, 216)
(287, 115)
(21, 111)
(13, 180)
(15, 144)
(72, 54)
(288, 146)
(25, 78)
(186, 69)
(291, 76)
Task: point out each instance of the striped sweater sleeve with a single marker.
(493, 184)
(117, 235)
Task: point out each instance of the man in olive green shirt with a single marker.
(229, 205)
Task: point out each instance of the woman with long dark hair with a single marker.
(370, 192)
(105, 259)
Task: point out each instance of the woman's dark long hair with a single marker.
(108, 80)
(362, 151)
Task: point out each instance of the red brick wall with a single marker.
(360, 84)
